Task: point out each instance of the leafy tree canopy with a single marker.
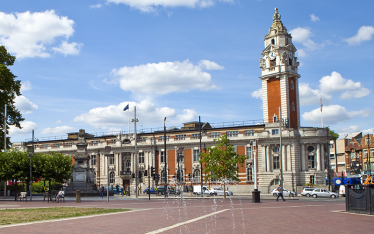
(9, 89)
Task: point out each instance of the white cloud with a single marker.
(96, 6)
(365, 33)
(58, 130)
(333, 114)
(368, 131)
(348, 130)
(257, 94)
(309, 96)
(209, 65)
(26, 85)
(27, 128)
(302, 35)
(25, 105)
(314, 18)
(113, 116)
(151, 5)
(163, 78)
(58, 122)
(30, 34)
(68, 48)
(336, 83)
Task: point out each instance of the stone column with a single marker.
(303, 157)
(268, 158)
(289, 162)
(322, 157)
(116, 164)
(284, 157)
(318, 158)
(263, 157)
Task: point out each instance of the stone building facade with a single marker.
(303, 154)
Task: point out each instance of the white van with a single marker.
(342, 190)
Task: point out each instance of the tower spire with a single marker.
(277, 23)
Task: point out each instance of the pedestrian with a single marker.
(101, 191)
(122, 190)
(280, 192)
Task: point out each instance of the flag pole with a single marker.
(128, 129)
(321, 113)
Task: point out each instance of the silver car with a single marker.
(219, 192)
(286, 193)
(324, 193)
(307, 192)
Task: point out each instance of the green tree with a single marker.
(221, 161)
(9, 89)
(334, 136)
(56, 167)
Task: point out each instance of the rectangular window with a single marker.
(332, 156)
(276, 164)
(214, 134)
(272, 63)
(249, 132)
(195, 136)
(371, 153)
(93, 160)
(69, 144)
(249, 152)
(275, 132)
(45, 146)
(162, 138)
(232, 133)
(353, 154)
(311, 161)
(196, 155)
(111, 159)
(162, 156)
(249, 174)
(180, 137)
(365, 154)
(141, 157)
(94, 143)
(331, 146)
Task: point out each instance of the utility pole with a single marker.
(369, 166)
(201, 165)
(5, 118)
(280, 147)
(166, 163)
(135, 154)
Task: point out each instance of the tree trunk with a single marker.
(15, 190)
(224, 189)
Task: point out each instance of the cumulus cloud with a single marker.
(25, 105)
(333, 114)
(27, 128)
(58, 130)
(257, 94)
(314, 18)
(67, 48)
(152, 5)
(309, 96)
(146, 112)
(30, 34)
(26, 85)
(365, 33)
(336, 83)
(163, 78)
(209, 65)
(58, 122)
(302, 35)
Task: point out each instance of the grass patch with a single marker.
(13, 216)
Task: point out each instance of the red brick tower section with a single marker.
(280, 76)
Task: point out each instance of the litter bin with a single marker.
(78, 196)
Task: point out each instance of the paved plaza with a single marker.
(196, 215)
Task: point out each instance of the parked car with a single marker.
(342, 190)
(307, 192)
(160, 190)
(286, 193)
(324, 193)
(152, 191)
(206, 190)
(219, 192)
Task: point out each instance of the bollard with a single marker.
(78, 196)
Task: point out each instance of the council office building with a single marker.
(304, 152)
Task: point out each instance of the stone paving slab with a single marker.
(237, 216)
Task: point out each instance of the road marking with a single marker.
(186, 222)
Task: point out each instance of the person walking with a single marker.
(101, 191)
(280, 192)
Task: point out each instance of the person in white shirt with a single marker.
(60, 194)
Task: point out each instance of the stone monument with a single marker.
(83, 177)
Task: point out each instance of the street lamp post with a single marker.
(30, 150)
(369, 165)
(166, 162)
(135, 154)
(107, 150)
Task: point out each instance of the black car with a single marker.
(160, 190)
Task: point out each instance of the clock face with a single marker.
(272, 55)
(290, 55)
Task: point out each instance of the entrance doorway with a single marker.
(126, 183)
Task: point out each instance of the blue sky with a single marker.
(81, 62)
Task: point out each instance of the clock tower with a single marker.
(280, 87)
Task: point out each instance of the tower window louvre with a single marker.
(272, 41)
(292, 86)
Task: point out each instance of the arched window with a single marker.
(128, 165)
(292, 86)
(111, 177)
(273, 41)
(162, 177)
(196, 175)
(275, 119)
